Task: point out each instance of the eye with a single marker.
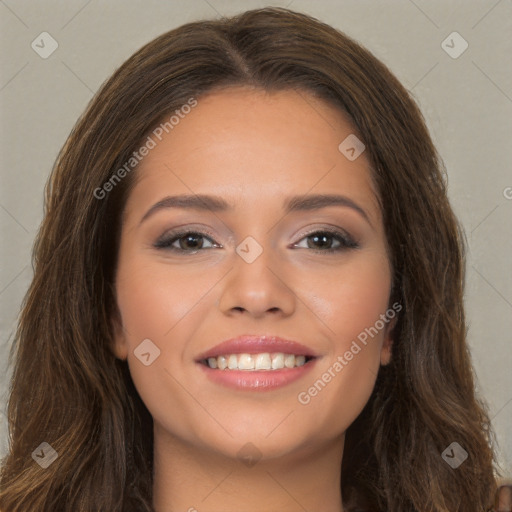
(192, 241)
(187, 241)
(328, 241)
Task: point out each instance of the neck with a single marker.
(193, 479)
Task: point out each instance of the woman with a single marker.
(307, 351)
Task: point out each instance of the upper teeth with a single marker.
(264, 361)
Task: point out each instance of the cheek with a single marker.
(337, 395)
(163, 306)
(351, 298)
(152, 298)
(350, 303)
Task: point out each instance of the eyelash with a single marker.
(166, 241)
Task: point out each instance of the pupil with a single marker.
(321, 240)
(193, 240)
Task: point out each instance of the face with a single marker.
(189, 278)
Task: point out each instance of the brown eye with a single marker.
(188, 241)
(325, 241)
(192, 241)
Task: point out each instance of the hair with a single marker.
(69, 390)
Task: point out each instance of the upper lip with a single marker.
(257, 344)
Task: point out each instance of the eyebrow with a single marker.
(203, 202)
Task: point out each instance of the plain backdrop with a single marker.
(466, 99)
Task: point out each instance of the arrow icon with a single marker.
(454, 455)
(454, 45)
(44, 45)
(351, 147)
(44, 455)
(243, 249)
(147, 352)
(249, 455)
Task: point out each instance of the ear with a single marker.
(119, 345)
(387, 344)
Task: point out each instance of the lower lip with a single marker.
(263, 380)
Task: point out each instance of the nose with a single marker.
(258, 288)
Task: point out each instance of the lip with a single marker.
(257, 380)
(264, 380)
(257, 344)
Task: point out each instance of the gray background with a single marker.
(467, 102)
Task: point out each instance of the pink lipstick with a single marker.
(257, 362)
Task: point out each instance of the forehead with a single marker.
(252, 144)
(240, 116)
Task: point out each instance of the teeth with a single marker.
(264, 361)
(245, 362)
(277, 361)
(289, 361)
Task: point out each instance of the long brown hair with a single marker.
(69, 390)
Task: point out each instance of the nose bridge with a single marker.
(257, 282)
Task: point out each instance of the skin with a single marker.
(253, 149)
(504, 498)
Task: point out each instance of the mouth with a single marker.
(263, 361)
(254, 362)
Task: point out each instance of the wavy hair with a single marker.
(69, 390)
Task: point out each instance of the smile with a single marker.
(253, 362)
